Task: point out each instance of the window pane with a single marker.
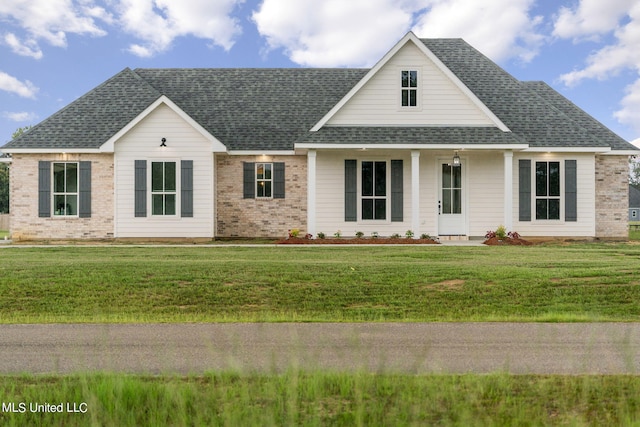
(381, 178)
(367, 208)
(58, 177)
(72, 178)
(267, 171)
(413, 78)
(59, 205)
(405, 79)
(554, 209)
(446, 176)
(267, 189)
(457, 177)
(554, 179)
(157, 176)
(71, 205)
(405, 98)
(157, 204)
(381, 209)
(367, 178)
(412, 98)
(446, 201)
(170, 176)
(170, 204)
(260, 189)
(260, 171)
(541, 209)
(541, 178)
(456, 202)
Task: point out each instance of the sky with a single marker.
(54, 51)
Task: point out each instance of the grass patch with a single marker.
(299, 398)
(586, 282)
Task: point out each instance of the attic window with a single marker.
(409, 88)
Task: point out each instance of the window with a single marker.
(65, 189)
(264, 180)
(374, 190)
(163, 188)
(409, 89)
(547, 190)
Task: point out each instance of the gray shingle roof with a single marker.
(271, 109)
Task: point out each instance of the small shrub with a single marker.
(395, 236)
(425, 236)
(408, 234)
(308, 236)
(359, 234)
(321, 235)
(490, 234)
(513, 235)
(294, 232)
(375, 235)
(501, 232)
(337, 234)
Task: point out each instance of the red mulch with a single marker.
(494, 241)
(356, 241)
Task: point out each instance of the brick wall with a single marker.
(25, 222)
(612, 197)
(239, 217)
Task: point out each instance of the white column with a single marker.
(311, 192)
(508, 190)
(415, 193)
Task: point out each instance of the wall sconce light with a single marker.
(456, 160)
(164, 142)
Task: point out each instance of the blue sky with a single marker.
(53, 51)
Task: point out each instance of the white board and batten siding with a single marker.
(142, 142)
(440, 101)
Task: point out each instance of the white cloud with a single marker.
(23, 48)
(22, 116)
(24, 89)
(590, 19)
(333, 32)
(158, 22)
(629, 114)
(51, 20)
(500, 29)
(358, 32)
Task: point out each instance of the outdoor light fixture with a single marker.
(164, 142)
(456, 159)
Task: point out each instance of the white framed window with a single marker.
(65, 188)
(548, 190)
(264, 180)
(163, 188)
(373, 190)
(409, 88)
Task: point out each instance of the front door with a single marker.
(451, 206)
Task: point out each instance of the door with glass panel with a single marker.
(451, 205)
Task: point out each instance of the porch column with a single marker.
(311, 192)
(415, 193)
(508, 190)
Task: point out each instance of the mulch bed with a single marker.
(356, 241)
(494, 241)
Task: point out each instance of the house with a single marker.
(634, 203)
(435, 138)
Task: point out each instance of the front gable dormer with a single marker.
(410, 86)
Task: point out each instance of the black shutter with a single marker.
(525, 190)
(570, 191)
(249, 180)
(278, 180)
(141, 188)
(397, 202)
(350, 190)
(186, 188)
(44, 189)
(84, 196)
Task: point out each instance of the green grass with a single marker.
(316, 398)
(582, 282)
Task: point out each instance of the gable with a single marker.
(440, 101)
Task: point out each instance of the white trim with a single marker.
(622, 153)
(415, 193)
(311, 146)
(216, 145)
(311, 192)
(52, 151)
(508, 190)
(567, 150)
(261, 153)
(447, 72)
(5, 159)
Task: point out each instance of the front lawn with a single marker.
(587, 282)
